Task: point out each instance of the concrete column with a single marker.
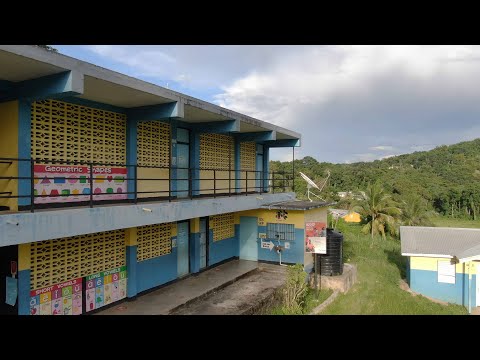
(131, 254)
(194, 245)
(23, 279)
(266, 165)
(24, 149)
(195, 161)
(237, 165)
(173, 161)
(131, 154)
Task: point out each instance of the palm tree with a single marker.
(415, 213)
(378, 210)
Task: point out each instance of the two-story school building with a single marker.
(111, 186)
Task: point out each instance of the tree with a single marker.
(415, 213)
(378, 210)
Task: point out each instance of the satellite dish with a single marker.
(309, 181)
(311, 184)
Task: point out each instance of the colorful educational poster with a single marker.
(59, 299)
(316, 237)
(105, 288)
(63, 183)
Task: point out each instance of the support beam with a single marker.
(156, 112)
(257, 136)
(283, 143)
(216, 127)
(54, 86)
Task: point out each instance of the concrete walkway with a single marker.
(243, 297)
(166, 299)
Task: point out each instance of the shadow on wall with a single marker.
(399, 261)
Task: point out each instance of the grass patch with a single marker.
(311, 302)
(452, 222)
(380, 267)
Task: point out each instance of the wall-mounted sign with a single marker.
(281, 215)
(60, 299)
(261, 221)
(64, 183)
(262, 235)
(105, 287)
(267, 245)
(316, 237)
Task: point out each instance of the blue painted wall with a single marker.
(222, 249)
(426, 282)
(23, 292)
(294, 255)
(156, 271)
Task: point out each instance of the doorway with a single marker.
(248, 238)
(183, 259)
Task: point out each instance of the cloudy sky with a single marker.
(350, 103)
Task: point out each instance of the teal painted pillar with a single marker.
(24, 150)
(266, 166)
(194, 252)
(237, 166)
(195, 162)
(131, 155)
(131, 271)
(173, 160)
(23, 292)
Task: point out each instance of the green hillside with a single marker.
(448, 177)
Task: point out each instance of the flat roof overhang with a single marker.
(24, 63)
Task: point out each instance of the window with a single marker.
(446, 272)
(282, 232)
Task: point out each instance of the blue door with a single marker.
(248, 238)
(203, 243)
(259, 168)
(182, 248)
(183, 161)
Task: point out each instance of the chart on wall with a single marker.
(60, 299)
(105, 288)
(60, 183)
(316, 237)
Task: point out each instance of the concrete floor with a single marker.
(171, 297)
(242, 296)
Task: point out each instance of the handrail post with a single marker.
(135, 172)
(32, 185)
(169, 183)
(190, 183)
(91, 184)
(246, 182)
(273, 182)
(214, 183)
(293, 169)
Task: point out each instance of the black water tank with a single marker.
(331, 263)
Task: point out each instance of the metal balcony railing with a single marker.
(191, 182)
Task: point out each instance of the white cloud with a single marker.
(381, 148)
(342, 99)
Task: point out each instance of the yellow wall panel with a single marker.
(247, 166)
(153, 143)
(431, 264)
(223, 226)
(9, 149)
(67, 132)
(154, 241)
(59, 260)
(216, 152)
(152, 185)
